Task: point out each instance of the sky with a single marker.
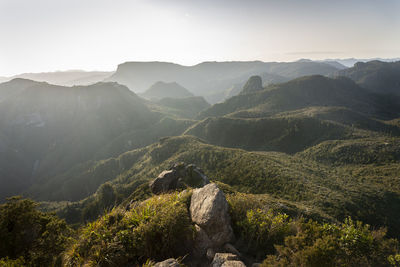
(50, 35)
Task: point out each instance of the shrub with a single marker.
(157, 228)
(6, 262)
(257, 227)
(394, 260)
(349, 244)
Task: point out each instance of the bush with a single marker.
(157, 228)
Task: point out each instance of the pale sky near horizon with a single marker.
(50, 35)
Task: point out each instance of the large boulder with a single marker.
(179, 175)
(194, 176)
(166, 181)
(209, 210)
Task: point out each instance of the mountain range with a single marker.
(291, 142)
(210, 79)
(65, 78)
(349, 62)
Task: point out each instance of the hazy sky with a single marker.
(48, 35)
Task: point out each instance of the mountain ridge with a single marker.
(162, 89)
(209, 78)
(307, 91)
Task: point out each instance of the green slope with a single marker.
(344, 116)
(326, 190)
(306, 92)
(376, 76)
(188, 107)
(283, 134)
(48, 129)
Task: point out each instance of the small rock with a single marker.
(220, 258)
(210, 254)
(233, 264)
(231, 249)
(201, 242)
(168, 263)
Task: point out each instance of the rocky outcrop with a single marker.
(253, 85)
(168, 263)
(209, 214)
(178, 176)
(209, 211)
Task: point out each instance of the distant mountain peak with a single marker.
(254, 84)
(304, 60)
(161, 89)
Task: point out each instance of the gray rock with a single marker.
(233, 264)
(231, 249)
(190, 175)
(210, 254)
(194, 176)
(221, 258)
(168, 263)
(209, 210)
(201, 242)
(164, 182)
